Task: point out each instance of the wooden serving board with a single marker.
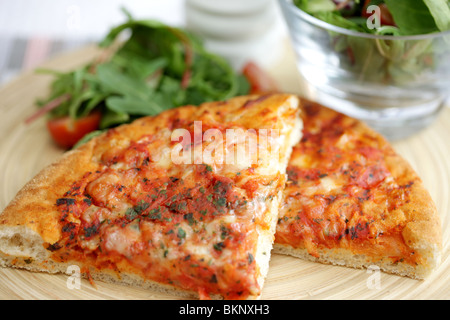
(26, 149)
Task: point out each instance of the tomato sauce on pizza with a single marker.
(193, 226)
(340, 192)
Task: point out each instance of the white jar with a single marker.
(239, 30)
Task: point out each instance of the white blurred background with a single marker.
(32, 31)
(80, 18)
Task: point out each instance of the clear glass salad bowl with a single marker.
(396, 84)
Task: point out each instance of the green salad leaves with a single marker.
(157, 67)
(386, 61)
(407, 17)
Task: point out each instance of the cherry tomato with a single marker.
(260, 81)
(386, 18)
(66, 131)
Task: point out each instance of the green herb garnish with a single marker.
(181, 233)
(158, 67)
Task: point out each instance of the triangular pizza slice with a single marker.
(351, 200)
(185, 201)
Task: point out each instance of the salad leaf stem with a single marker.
(48, 107)
(156, 67)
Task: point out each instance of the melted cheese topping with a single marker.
(340, 193)
(194, 225)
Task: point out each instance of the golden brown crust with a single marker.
(44, 204)
(423, 229)
(38, 197)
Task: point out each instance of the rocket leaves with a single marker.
(157, 67)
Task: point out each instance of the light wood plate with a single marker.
(26, 149)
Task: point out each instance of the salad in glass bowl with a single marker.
(386, 62)
(395, 61)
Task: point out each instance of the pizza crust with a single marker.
(37, 196)
(422, 231)
(346, 258)
(30, 223)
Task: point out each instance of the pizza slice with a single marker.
(185, 201)
(351, 200)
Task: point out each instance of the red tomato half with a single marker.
(66, 131)
(386, 18)
(260, 81)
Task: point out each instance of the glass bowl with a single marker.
(396, 84)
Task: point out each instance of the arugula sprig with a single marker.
(157, 67)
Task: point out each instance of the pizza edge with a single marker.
(24, 233)
(422, 232)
